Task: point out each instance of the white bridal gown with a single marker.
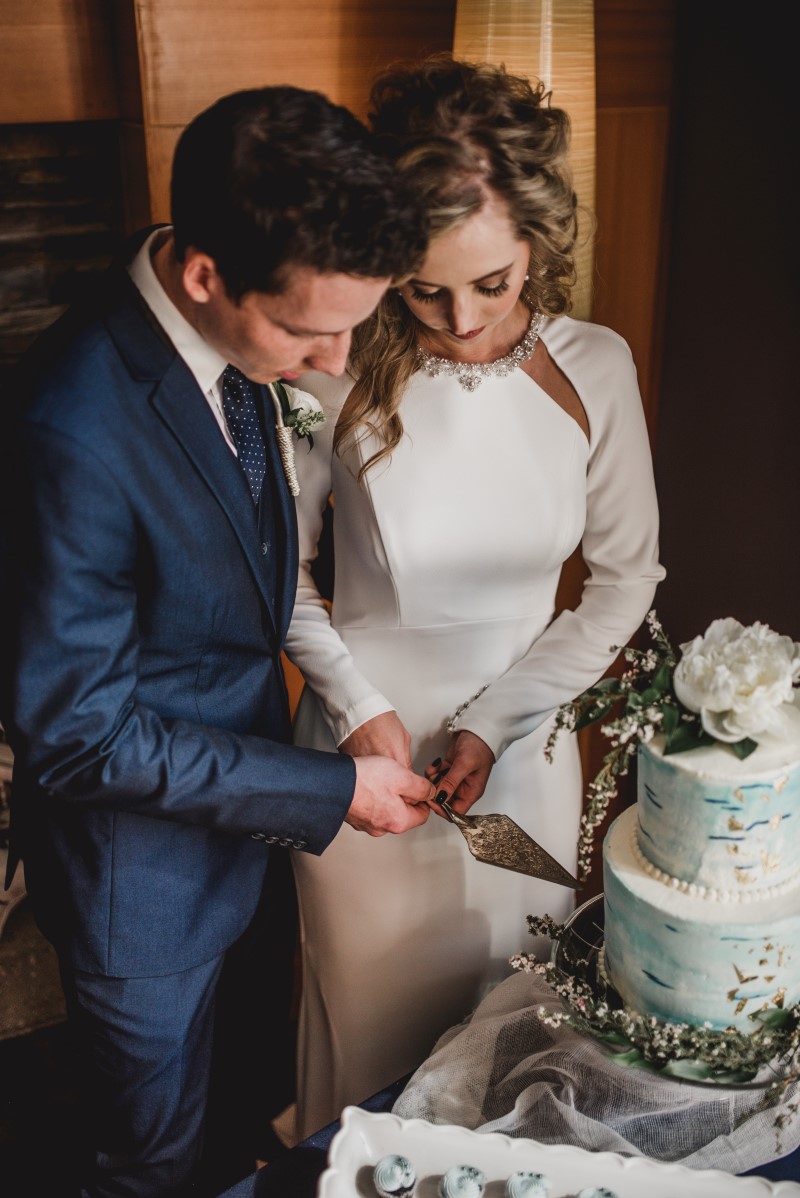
(447, 561)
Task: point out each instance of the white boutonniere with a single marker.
(296, 414)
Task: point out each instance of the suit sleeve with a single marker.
(78, 725)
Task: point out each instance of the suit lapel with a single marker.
(149, 355)
(192, 423)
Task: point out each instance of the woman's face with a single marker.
(467, 290)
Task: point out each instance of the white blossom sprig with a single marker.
(729, 684)
(681, 1050)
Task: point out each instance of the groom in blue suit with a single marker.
(149, 554)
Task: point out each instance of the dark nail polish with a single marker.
(442, 795)
(436, 761)
(436, 779)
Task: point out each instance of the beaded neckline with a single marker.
(471, 374)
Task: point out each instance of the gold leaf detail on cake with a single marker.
(779, 783)
(770, 864)
(733, 849)
(742, 977)
(734, 825)
(769, 947)
(781, 951)
(769, 977)
(738, 794)
(778, 998)
(732, 994)
(743, 876)
(740, 1006)
(775, 823)
(764, 961)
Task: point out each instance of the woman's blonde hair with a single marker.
(461, 131)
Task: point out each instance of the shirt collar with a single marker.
(205, 362)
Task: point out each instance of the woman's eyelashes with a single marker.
(426, 297)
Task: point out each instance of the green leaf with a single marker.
(602, 687)
(743, 748)
(615, 1038)
(691, 1070)
(774, 1018)
(592, 715)
(670, 718)
(734, 1077)
(662, 678)
(685, 737)
(632, 1060)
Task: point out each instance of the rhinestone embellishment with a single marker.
(471, 374)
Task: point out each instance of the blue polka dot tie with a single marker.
(239, 406)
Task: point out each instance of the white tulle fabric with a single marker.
(447, 561)
(504, 1070)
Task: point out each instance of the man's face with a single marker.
(307, 327)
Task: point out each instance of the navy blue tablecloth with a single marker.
(296, 1174)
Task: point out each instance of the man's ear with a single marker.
(199, 276)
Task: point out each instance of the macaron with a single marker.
(394, 1177)
(462, 1181)
(524, 1184)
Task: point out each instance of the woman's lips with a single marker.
(470, 335)
(290, 375)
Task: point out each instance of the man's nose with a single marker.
(331, 355)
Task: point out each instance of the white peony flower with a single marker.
(738, 678)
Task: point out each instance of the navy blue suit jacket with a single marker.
(142, 687)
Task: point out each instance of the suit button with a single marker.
(271, 839)
(264, 548)
(300, 844)
(285, 842)
(258, 836)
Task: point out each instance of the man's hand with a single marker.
(388, 797)
(464, 772)
(382, 736)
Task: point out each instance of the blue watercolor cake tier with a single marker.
(702, 886)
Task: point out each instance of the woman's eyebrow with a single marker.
(489, 275)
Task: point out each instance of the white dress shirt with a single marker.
(205, 362)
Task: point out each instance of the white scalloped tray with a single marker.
(433, 1148)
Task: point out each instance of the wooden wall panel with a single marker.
(55, 62)
(635, 48)
(627, 293)
(190, 52)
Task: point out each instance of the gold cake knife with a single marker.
(498, 840)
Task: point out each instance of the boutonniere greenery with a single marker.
(300, 411)
(296, 414)
(730, 686)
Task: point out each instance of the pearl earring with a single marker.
(527, 279)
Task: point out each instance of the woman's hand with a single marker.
(463, 772)
(382, 736)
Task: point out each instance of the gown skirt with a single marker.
(403, 935)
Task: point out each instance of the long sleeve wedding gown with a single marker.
(447, 560)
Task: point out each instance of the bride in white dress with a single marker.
(459, 491)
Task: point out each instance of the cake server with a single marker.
(497, 840)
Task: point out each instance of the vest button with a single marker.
(264, 548)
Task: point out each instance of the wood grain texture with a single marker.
(631, 196)
(55, 61)
(191, 52)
